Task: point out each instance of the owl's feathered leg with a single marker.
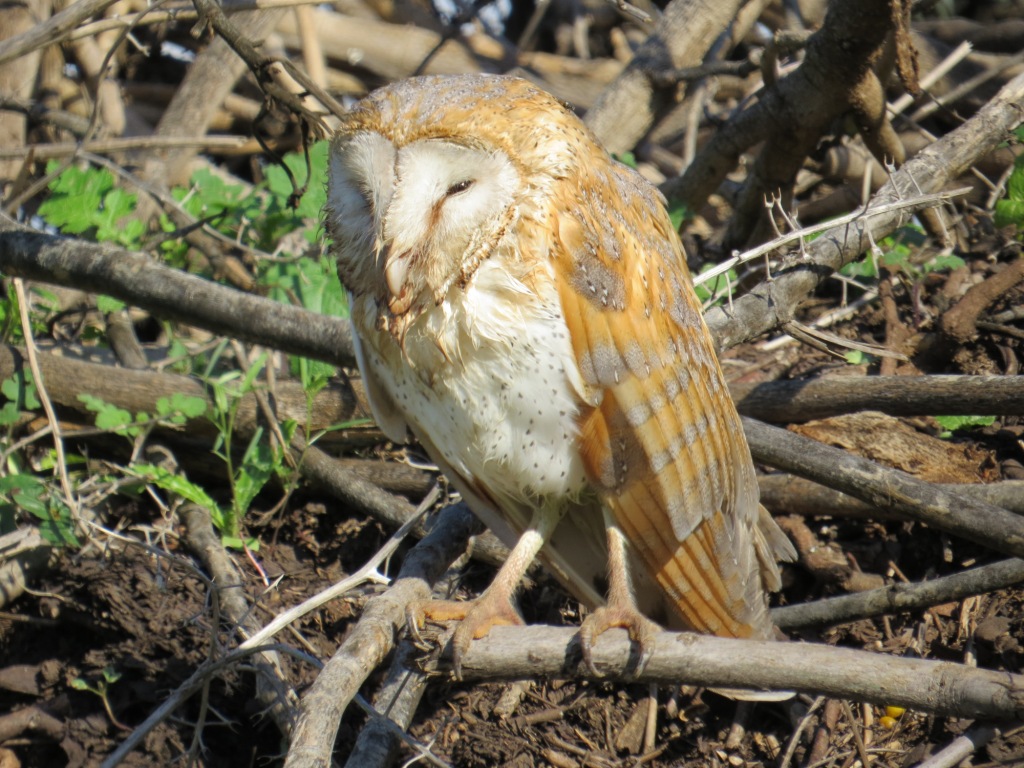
(496, 606)
(621, 610)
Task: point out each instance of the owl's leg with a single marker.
(621, 610)
(496, 606)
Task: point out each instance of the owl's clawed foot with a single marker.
(641, 631)
(476, 619)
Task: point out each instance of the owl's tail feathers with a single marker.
(743, 695)
(771, 546)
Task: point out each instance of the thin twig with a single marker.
(51, 414)
(368, 572)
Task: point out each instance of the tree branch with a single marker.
(806, 399)
(774, 302)
(886, 488)
(901, 597)
(510, 653)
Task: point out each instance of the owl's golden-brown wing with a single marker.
(663, 445)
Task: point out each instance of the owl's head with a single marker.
(428, 176)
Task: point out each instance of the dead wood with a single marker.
(172, 294)
(959, 324)
(795, 401)
(138, 391)
(201, 94)
(509, 653)
(788, 494)
(887, 488)
(24, 556)
(838, 76)
(17, 81)
(630, 105)
(772, 303)
(389, 50)
(53, 30)
(373, 638)
(895, 598)
(15, 724)
(1005, 37)
(827, 565)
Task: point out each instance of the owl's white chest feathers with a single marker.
(491, 379)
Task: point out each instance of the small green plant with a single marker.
(259, 461)
(718, 288)
(175, 410)
(898, 251)
(19, 392)
(951, 424)
(233, 209)
(1010, 210)
(22, 491)
(179, 485)
(86, 201)
(102, 689)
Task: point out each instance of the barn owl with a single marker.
(521, 303)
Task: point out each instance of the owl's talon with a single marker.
(641, 631)
(476, 619)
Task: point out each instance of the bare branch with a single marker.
(509, 653)
(773, 303)
(902, 597)
(886, 488)
(803, 400)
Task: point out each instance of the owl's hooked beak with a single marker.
(396, 270)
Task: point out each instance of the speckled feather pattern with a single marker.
(564, 363)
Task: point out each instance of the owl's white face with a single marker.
(409, 222)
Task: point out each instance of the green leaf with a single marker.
(32, 501)
(677, 214)
(9, 414)
(182, 486)
(943, 262)
(626, 158)
(178, 404)
(1010, 213)
(59, 529)
(718, 287)
(27, 492)
(255, 470)
(1015, 184)
(110, 417)
(955, 423)
(80, 685)
(109, 305)
(20, 390)
(76, 199)
(236, 542)
(20, 482)
(866, 267)
(8, 524)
